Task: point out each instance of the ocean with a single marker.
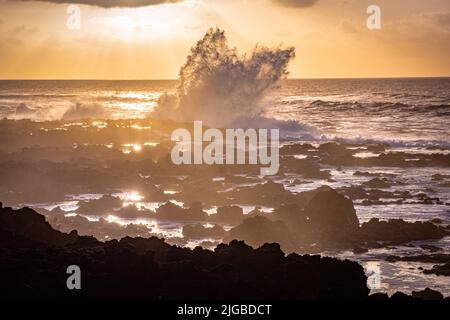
(401, 112)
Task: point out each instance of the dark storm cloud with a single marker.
(111, 3)
(296, 3)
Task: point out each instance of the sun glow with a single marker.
(158, 22)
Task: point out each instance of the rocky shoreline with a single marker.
(113, 181)
(34, 258)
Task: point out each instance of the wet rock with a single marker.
(132, 212)
(373, 174)
(228, 214)
(330, 209)
(269, 194)
(400, 231)
(336, 153)
(259, 230)
(359, 250)
(439, 177)
(101, 229)
(308, 168)
(209, 244)
(430, 248)
(170, 211)
(377, 183)
(440, 270)
(427, 258)
(292, 215)
(198, 231)
(376, 148)
(102, 206)
(428, 294)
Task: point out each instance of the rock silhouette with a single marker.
(34, 258)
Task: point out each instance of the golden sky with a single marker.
(144, 39)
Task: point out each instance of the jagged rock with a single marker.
(228, 214)
(170, 211)
(198, 231)
(104, 205)
(132, 212)
(377, 183)
(440, 270)
(27, 227)
(138, 268)
(359, 250)
(259, 230)
(401, 296)
(400, 231)
(379, 296)
(330, 209)
(428, 294)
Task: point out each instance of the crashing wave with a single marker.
(224, 89)
(86, 111)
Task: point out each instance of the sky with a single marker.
(150, 39)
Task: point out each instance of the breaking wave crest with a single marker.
(224, 89)
(86, 111)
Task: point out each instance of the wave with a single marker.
(369, 106)
(221, 88)
(86, 111)
(396, 143)
(76, 111)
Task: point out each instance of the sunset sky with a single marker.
(150, 39)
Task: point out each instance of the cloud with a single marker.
(439, 18)
(296, 3)
(112, 3)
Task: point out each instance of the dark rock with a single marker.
(330, 209)
(377, 183)
(428, 294)
(359, 250)
(376, 148)
(259, 230)
(138, 268)
(378, 296)
(132, 212)
(430, 248)
(27, 227)
(440, 270)
(198, 231)
(104, 205)
(170, 211)
(228, 214)
(427, 258)
(400, 231)
(401, 296)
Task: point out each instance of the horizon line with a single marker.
(171, 79)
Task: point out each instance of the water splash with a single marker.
(219, 87)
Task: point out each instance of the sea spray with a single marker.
(218, 86)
